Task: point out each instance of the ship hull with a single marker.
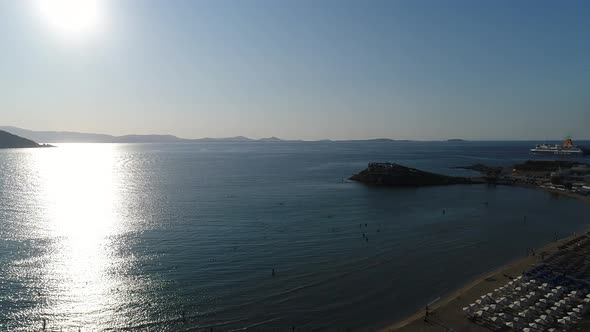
(557, 152)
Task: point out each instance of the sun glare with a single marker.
(74, 19)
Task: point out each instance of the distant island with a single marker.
(456, 140)
(76, 137)
(10, 141)
(390, 174)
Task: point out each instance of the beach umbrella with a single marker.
(546, 319)
(566, 322)
(532, 281)
(587, 300)
(518, 322)
(478, 302)
(510, 325)
(542, 303)
(572, 316)
(478, 313)
(493, 307)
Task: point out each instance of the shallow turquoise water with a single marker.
(103, 236)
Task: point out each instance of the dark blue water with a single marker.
(139, 236)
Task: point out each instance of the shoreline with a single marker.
(447, 311)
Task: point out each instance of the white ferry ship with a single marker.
(567, 147)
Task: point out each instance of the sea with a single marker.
(259, 236)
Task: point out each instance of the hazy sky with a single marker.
(300, 69)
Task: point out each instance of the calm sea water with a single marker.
(131, 236)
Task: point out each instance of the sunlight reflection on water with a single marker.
(80, 187)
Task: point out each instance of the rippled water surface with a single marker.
(184, 236)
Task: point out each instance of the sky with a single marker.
(299, 69)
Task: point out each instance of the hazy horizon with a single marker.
(18, 129)
(416, 70)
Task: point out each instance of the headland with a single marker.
(10, 141)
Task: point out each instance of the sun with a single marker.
(72, 18)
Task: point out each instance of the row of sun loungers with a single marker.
(554, 296)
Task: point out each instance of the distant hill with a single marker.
(146, 139)
(59, 136)
(76, 137)
(455, 140)
(10, 141)
(270, 139)
(224, 139)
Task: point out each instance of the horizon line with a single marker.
(275, 138)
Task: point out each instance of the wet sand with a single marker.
(447, 315)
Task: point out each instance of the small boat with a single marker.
(567, 148)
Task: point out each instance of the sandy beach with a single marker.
(446, 313)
